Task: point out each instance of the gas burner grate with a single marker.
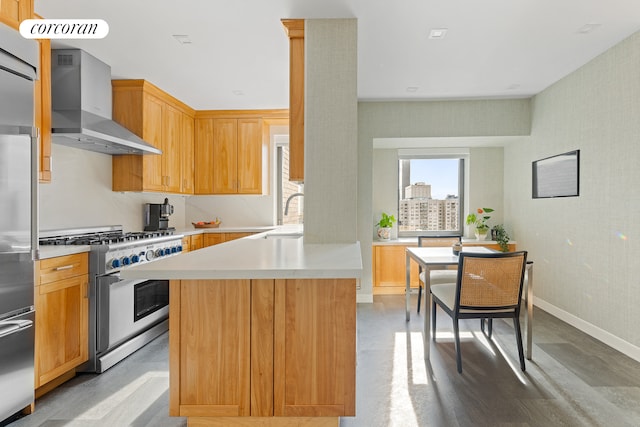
(103, 238)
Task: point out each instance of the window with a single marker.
(289, 199)
(429, 197)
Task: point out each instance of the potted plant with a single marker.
(499, 234)
(479, 220)
(384, 226)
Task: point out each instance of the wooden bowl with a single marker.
(210, 225)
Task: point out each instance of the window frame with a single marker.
(462, 164)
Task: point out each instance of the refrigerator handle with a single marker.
(35, 215)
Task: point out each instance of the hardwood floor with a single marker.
(573, 380)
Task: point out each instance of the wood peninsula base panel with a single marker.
(269, 352)
(265, 422)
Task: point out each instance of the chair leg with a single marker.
(419, 297)
(456, 333)
(433, 320)
(489, 327)
(516, 325)
(482, 320)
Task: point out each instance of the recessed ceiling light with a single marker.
(412, 89)
(182, 38)
(437, 33)
(587, 28)
(237, 92)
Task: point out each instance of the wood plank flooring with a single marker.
(573, 380)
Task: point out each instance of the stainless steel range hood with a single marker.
(81, 106)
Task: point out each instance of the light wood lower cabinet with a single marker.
(61, 301)
(211, 239)
(389, 267)
(262, 348)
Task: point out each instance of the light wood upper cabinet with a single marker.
(249, 157)
(165, 123)
(172, 133)
(237, 156)
(62, 306)
(13, 12)
(203, 156)
(229, 152)
(295, 31)
(152, 128)
(186, 148)
(225, 156)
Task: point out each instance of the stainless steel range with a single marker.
(124, 315)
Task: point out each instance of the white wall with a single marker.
(585, 248)
(80, 195)
(233, 211)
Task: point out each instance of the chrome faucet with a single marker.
(286, 206)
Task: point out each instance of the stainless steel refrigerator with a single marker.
(18, 219)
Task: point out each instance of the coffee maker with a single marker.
(156, 216)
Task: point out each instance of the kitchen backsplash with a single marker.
(80, 195)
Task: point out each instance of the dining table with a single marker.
(437, 258)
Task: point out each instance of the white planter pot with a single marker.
(384, 233)
(481, 236)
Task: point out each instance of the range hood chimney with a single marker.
(81, 106)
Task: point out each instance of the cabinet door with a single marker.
(389, 267)
(186, 155)
(314, 347)
(12, 12)
(61, 327)
(225, 161)
(211, 239)
(186, 244)
(196, 242)
(171, 154)
(214, 356)
(233, 236)
(249, 156)
(203, 156)
(152, 115)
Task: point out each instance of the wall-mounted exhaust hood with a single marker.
(81, 106)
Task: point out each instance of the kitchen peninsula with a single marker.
(262, 331)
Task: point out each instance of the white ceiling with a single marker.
(493, 48)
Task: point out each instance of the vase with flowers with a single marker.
(479, 221)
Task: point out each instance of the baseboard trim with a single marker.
(364, 298)
(608, 338)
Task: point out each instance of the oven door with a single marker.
(126, 308)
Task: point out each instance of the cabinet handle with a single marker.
(64, 267)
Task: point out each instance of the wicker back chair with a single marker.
(488, 286)
(436, 276)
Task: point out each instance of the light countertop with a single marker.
(257, 258)
(52, 251)
(188, 231)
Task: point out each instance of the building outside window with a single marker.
(429, 199)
